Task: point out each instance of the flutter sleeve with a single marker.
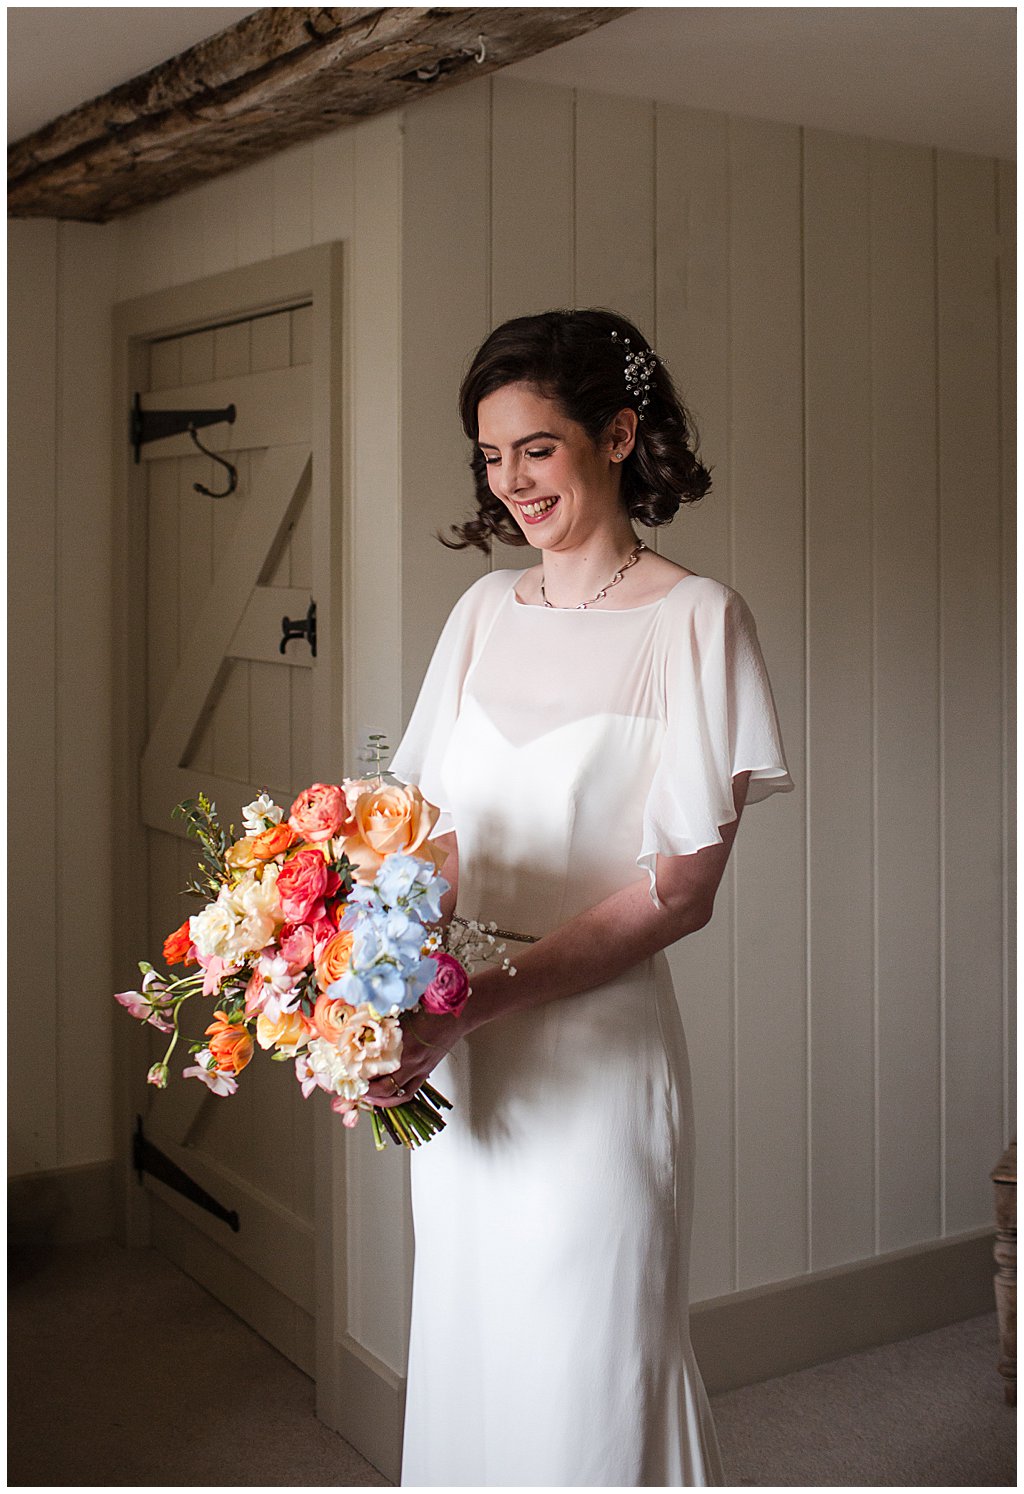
(419, 757)
(720, 720)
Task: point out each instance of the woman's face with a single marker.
(560, 486)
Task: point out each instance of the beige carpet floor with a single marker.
(123, 1372)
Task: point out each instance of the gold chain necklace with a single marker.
(634, 556)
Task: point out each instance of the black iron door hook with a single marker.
(231, 471)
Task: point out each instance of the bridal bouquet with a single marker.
(316, 938)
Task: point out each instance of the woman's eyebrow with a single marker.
(523, 440)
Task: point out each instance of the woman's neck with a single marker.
(577, 575)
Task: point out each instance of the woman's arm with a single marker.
(450, 872)
(590, 949)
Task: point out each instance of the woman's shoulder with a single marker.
(702, 603)
(483, 595)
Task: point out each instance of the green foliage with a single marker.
(201, 823)
(376, 753)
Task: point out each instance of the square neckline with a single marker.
(606, 611)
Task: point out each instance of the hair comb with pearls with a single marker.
(639, 371)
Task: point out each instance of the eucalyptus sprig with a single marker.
(375, 753)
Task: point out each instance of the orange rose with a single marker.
(177, 946)
(390, 818)
(330, 1016)
(272, 842)
(334, 959)
(230, 1045)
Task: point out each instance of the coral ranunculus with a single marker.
(320, 812)
(330, 1015)
(178, 944)
(302, 886)
(334, 959)
(272, 842)
(231, 1045)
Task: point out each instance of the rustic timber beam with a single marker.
(279, 76)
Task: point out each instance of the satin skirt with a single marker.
(550, 1335)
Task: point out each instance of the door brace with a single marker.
(149, 1158)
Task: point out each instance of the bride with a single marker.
(591, 728)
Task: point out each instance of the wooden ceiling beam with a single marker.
(279, 76)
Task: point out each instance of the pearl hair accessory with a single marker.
(639, 372)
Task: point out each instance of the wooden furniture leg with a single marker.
(1004, 1176)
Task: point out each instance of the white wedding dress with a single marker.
(550, 1322)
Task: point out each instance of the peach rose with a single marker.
(230, 1045)
(330, 1015)
(241, 855)
(271, 842)
(288, 1033)
(389, 818)
(320, 812)
(333, 959)
(178, 944)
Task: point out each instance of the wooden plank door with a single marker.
(228, 713)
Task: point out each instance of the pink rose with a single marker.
(255, 995)
(448, 991)
(296, 945)
(320, 812)
(304, 881)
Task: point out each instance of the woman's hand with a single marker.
(426, 1038)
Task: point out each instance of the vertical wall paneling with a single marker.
(969, 478)
(293, 199)
(251, 193)
(218, 226)
(614, 248)
(333, 181)
(33, 609)
(1006, 188)
(693, 308)
(377, 1264)
(445, 316)
(906, 693)
(840, 599)
(767, 928)
(531, 200)
(692, 336)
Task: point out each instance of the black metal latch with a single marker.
(304, 629)
(149, 1158)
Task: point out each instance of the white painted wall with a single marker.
(839, 313)
(840, 319)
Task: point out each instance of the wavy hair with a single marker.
(572, 358)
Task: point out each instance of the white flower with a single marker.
(203, 1068)
(261, 814)
(326, 1066)
(256, 910)
(282, 990)
(212, 930)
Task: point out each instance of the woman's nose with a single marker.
(516, 477)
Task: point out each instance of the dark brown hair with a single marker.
(572, 358)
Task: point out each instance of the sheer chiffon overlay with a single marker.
(550, 1321)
